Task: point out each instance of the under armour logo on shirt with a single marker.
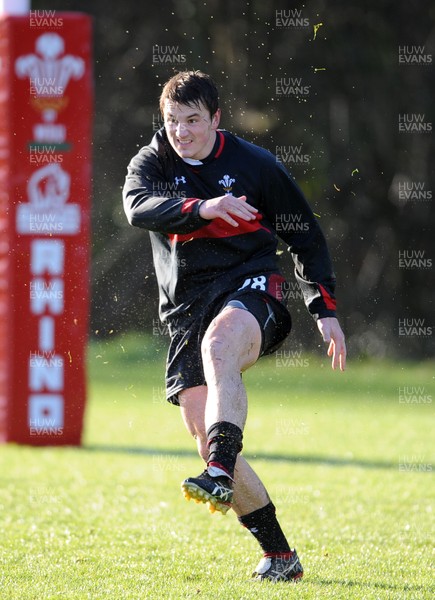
(181, 179)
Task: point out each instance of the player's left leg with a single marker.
(251, 502)
(232, 343)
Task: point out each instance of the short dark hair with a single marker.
(191, 87)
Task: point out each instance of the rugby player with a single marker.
(214, 205)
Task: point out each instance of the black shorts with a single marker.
(184, 363)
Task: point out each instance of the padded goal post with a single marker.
(46, 108)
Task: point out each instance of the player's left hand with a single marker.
(331, 332)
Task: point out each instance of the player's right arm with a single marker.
(146, 202)
(225, 207)
(147, 205)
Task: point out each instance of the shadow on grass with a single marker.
(375, 585)
(297, 459)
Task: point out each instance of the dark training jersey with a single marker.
(197, 260)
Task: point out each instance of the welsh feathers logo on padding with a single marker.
(49, 72)
(226, 182)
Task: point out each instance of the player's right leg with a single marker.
(248, 324)
(230, 345)
(249, 493)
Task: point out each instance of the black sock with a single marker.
(264, 526)
(224, 441)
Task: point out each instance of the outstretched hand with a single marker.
(225, 206)
(331, 332)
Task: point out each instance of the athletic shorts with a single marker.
(184, 363)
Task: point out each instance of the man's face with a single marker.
(190, 129)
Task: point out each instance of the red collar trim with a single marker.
(221, 144)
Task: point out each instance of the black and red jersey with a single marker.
(195, 259)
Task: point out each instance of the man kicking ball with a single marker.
(214, 205)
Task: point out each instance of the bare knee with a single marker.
(214, 346)
(232, 342)
(219, 347)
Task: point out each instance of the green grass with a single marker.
(349, 467)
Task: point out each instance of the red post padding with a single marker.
(46, 105)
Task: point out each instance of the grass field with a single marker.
(349, 464)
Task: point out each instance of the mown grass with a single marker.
(349, 466)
